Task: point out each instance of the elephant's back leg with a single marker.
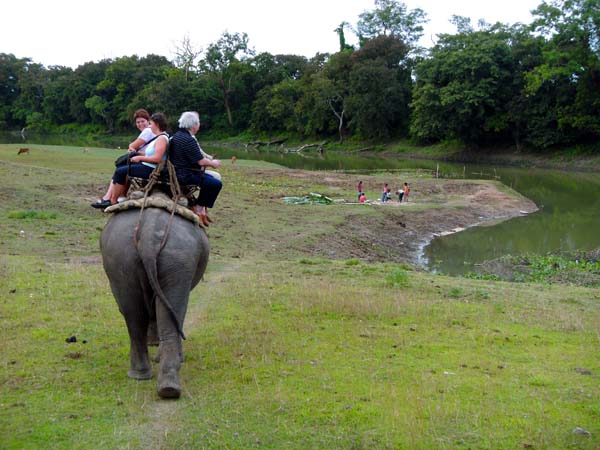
(137, 318)
(131, 290)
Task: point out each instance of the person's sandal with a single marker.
(101, 204)
(201, 219)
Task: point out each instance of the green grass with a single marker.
(285, 349)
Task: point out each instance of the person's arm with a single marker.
(145, 136)
(205, 162)
(135, 145)
(160, 147)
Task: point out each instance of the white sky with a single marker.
(71, 32)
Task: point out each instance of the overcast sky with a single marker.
(71, 32)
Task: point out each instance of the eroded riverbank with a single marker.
(435, 208)
(397, 232)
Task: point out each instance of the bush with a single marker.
(399, 277)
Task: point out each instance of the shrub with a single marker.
(399, 277)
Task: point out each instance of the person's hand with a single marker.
(136, 159)
(216, 163)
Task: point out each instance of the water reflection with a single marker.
(568, 220)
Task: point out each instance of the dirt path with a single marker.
(164, 414)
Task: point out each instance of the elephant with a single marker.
(153, 260)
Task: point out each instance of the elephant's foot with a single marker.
(140, 374)
(168, 384)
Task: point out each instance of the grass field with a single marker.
(286, 349)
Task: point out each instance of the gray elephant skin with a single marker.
(152, 283)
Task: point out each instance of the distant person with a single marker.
(362, 198)
(385, 194)
(360, 189)
(406, 189)
(400, 194)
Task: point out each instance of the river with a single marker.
(568, 218)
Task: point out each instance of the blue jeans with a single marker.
(137, 170)
(209, 187)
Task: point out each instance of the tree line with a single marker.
(531, 85)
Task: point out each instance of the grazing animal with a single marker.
(233, 159)
(23, 150)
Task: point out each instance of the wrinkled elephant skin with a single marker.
(153, 284)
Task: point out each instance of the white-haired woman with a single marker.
(189, 159)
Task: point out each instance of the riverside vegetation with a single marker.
(289, 347)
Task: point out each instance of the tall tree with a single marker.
(379, 88)
(11, 70)
(32, 79)
(342, 36)
(219, 63)
(186, 56)
(82, 84)
(56, 103)
(463, 88)
(124, 78)
(571, 68)
(392, 18)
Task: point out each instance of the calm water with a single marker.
(569, 216)
(568, 220)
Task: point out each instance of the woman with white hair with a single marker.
(189, 159)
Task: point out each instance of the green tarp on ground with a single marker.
(312, 198)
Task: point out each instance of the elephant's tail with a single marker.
(150, 264)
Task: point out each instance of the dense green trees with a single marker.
(463, 90)
(539, 85)
(535, 85)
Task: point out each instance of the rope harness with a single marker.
(153, 180)
(175, 193)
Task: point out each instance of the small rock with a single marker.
(71, 339)
(581, 431)
(582, 371)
